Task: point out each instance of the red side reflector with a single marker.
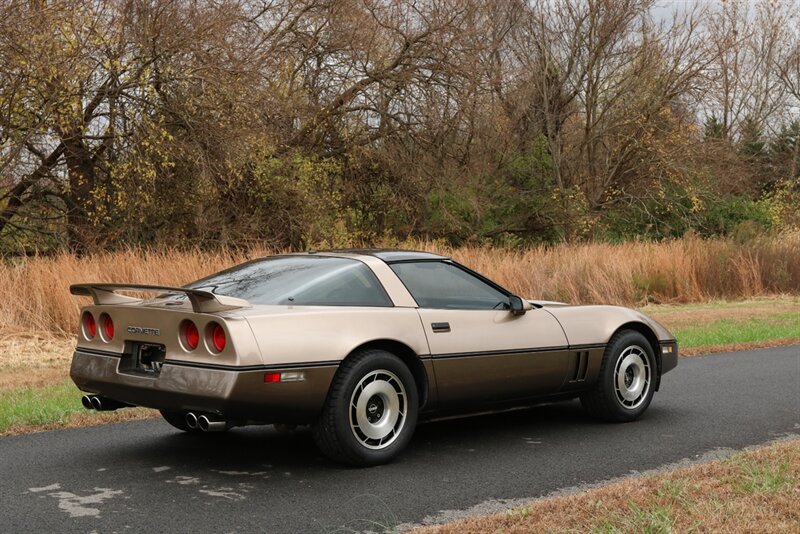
(272, 377)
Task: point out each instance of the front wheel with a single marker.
(371, 410)
(626, 381)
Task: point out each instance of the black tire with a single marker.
(346, 443)
(628, 355)
(178, 420)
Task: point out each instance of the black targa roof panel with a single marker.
(390, 255)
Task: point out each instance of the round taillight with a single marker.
(89, 325)
(191, 335)
(108, 326)
(218, 337)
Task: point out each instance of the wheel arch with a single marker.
(408, 357)
(651, 337)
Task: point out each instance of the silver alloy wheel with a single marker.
(632, 377)
(378, 409)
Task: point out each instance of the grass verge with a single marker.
(729, 326)
(752, 491)
(53, 406)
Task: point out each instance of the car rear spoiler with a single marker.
(202, 301)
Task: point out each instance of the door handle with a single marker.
(440, 327)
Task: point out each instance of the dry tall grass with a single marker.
(34, 293)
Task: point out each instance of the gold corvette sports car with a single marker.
(358, 344)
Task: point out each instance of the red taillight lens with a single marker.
(108, 327)
(192, 335)
(89, 325)
(269, 378)
(218, 337)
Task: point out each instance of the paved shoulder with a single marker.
(147, 476)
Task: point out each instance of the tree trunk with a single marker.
(81, 173)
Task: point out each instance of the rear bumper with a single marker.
(230, 393)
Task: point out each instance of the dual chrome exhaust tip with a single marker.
(206, 423)
(101, 404)
(203, 422)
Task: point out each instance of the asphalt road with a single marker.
(145, 476)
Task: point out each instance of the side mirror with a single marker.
(518, 305)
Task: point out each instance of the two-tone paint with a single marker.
(462, 360)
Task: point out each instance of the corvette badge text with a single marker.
(145, 331)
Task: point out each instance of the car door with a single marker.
(482, 353)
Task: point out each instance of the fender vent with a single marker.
(580, 364)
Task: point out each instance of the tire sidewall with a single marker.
(381, 360)
(615, 351)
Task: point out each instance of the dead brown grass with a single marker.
(681, 316)
(33, 360)
(734, 347)
(26, 350)
(82, 419)
(35, 295)
(686, 270)
(755, 491)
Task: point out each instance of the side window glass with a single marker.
(441, 285)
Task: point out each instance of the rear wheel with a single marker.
(625, 385)
(371, 410)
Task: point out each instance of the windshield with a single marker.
(299, 280)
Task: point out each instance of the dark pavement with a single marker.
(146, 476)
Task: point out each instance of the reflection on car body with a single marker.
(358, 344)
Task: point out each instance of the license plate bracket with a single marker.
(144, 359)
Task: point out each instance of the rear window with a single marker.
(299, 281)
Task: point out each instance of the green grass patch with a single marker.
(39, 406)
(749, 330)
(721, 323)
(758, 477)
(649, 519)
